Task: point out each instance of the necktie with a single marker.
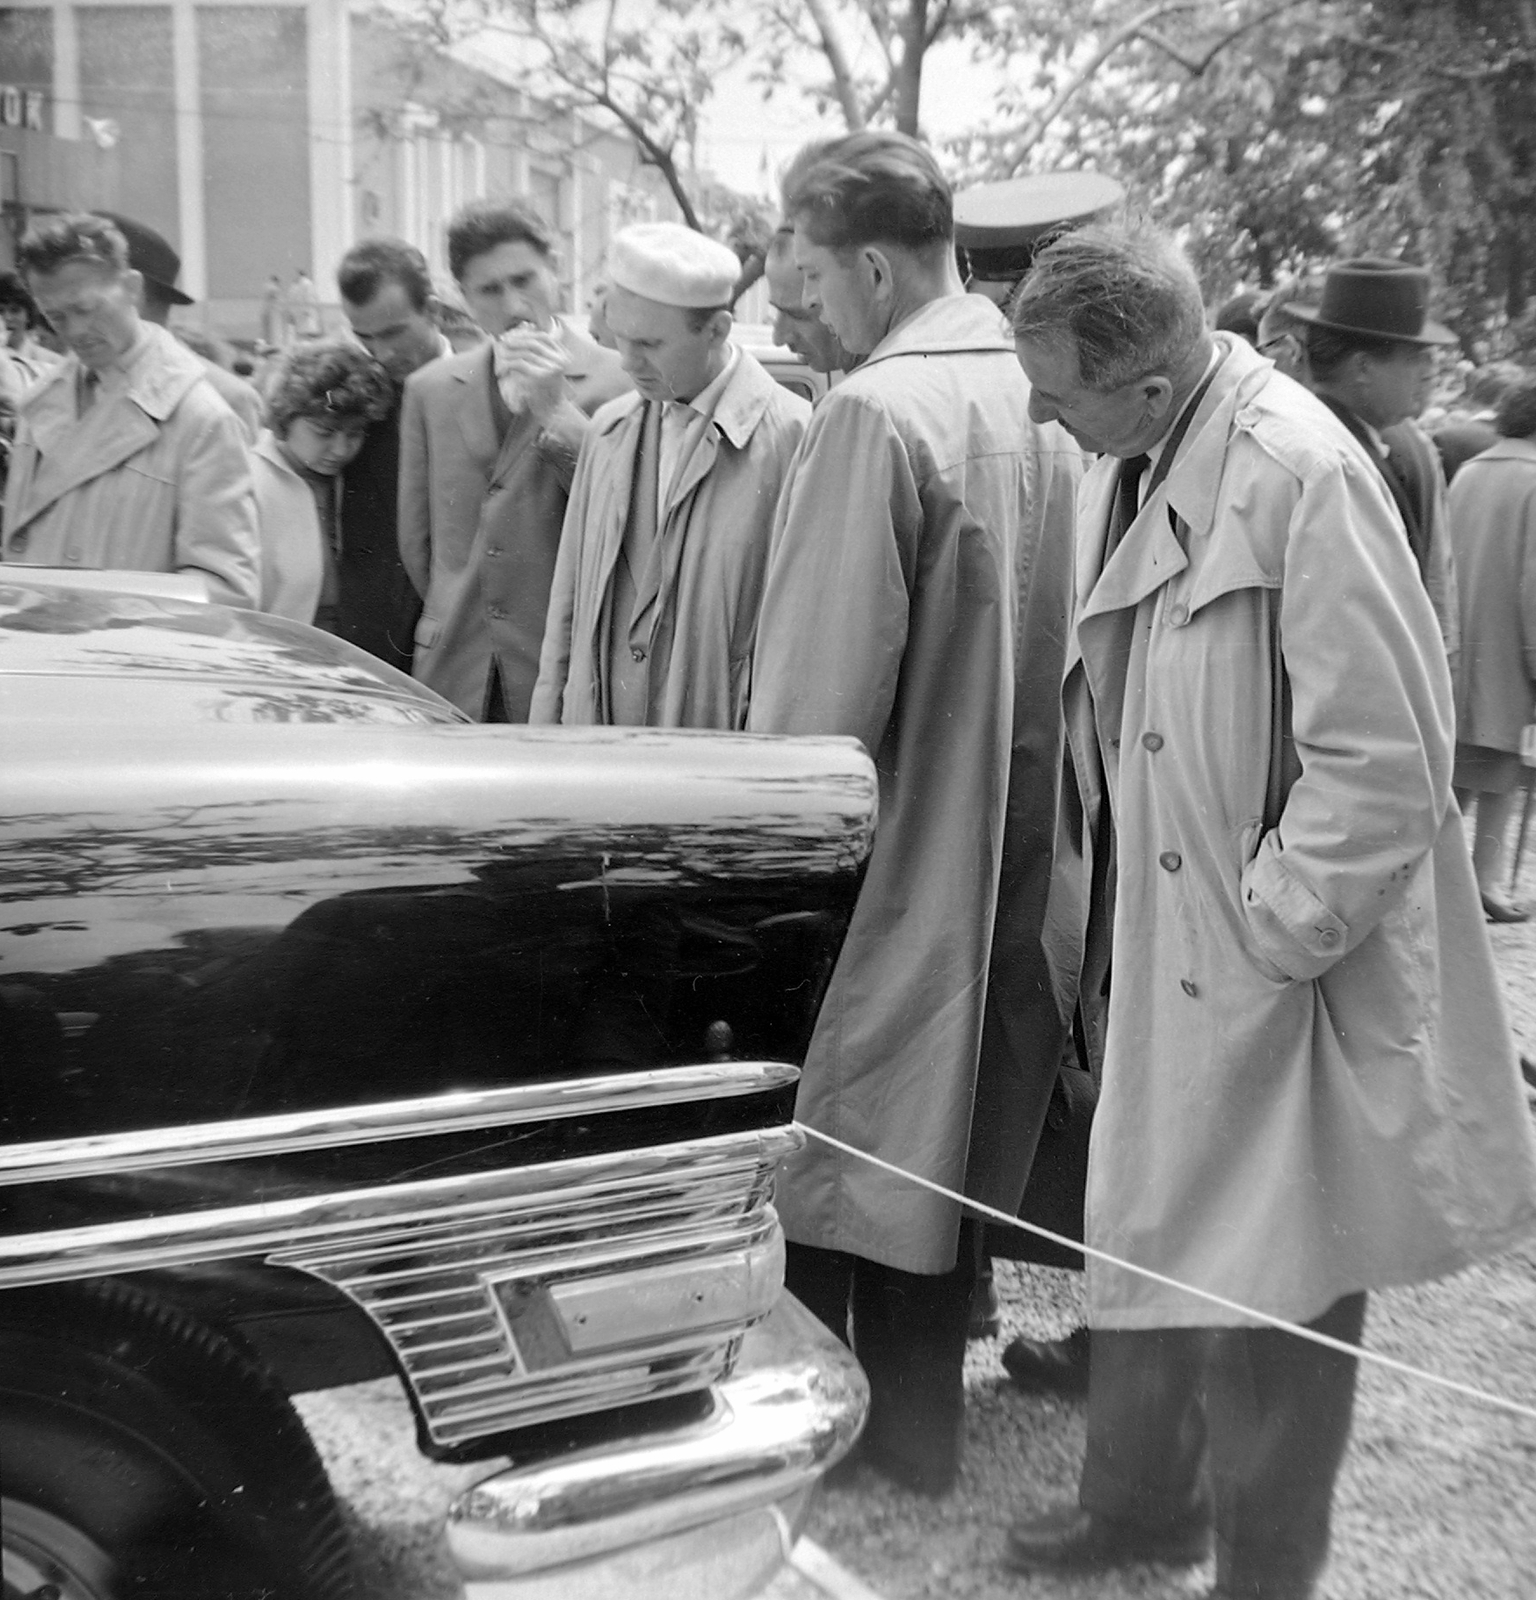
(640, 535)
(1127, 501)
(90, 382)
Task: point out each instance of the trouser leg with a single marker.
(909, 1332)
(1146, 1428)
(1278, 1413)
(822, 1281)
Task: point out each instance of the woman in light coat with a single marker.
(320, 405)
(1493, 528)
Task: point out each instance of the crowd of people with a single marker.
(1168, 648)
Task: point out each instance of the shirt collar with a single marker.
(1155, 452)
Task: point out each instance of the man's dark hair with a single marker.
(13, 292)
(1329, 348)
(330, 380)
(480, 227)
(1517, 410)
(1124, 298)
(873, 187)
(369, 265)
(52, 242)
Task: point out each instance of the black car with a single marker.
(343, 1038)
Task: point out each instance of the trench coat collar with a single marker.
(740, 408)
(616, 430)
(1508, 450)
(72, 450)
(950, 325)
(1156, 546)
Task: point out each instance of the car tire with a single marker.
(147, 1454)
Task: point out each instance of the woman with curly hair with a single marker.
(320, 403)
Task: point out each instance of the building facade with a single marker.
(264, 139)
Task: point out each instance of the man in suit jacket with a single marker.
(488, 447)
(386, 292)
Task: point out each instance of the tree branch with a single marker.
(1035, 129)
(1196, 65)
(837, 59)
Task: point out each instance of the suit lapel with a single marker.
(476, 421)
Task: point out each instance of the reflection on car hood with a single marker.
(234, 659)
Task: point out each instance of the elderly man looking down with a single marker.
(916, 599)
(125, 456)
(1309, 1087)
(653, 611)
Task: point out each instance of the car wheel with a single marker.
(147, 1454)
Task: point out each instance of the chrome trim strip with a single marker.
(791, 1408)
(50, 1160)
(741, 1163)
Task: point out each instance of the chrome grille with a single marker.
(600, 1283)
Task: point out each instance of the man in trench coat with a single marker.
(125, 456)
(1309, 1086)
(488, 447)
(916, 597)
(653, 610)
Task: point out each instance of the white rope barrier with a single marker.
(1403, 1368)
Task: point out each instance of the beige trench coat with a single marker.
(714, 533)
(154, 479)
(1493, 526)
(1309, 1084)
(895, 588)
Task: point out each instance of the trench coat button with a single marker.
(1188, 987)
(71, 555)
(636, 653)
(1178, 615)
(19, 542)
(1152, 741)
(498, 612)
(1328, 937)
(1170, 861)
(493, 549)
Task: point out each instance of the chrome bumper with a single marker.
(708, 1510)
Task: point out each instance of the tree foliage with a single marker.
(872, 51)
(650, 65)
(1277, 136)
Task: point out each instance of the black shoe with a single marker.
(1070, 1539)
(986, 1315)
(1049, 1366)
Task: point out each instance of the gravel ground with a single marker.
(1437, 1500)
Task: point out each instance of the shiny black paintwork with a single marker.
(248, 869)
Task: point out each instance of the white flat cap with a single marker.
(667, 262)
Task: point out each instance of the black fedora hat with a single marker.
(150, 255)
(1378, 297)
